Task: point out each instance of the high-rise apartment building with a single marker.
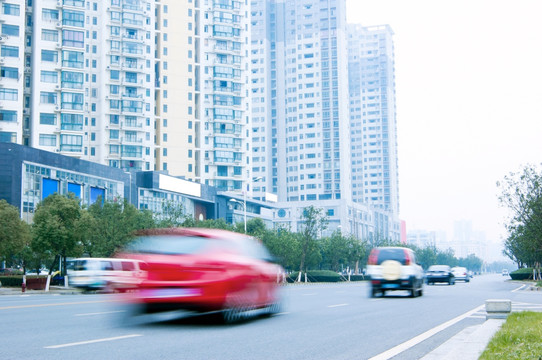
(86, 78)
(373, 122)
(223, 96)
(12, 68)
(176, 88)
(300, 116)
(299, 97)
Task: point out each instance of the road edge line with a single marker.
(388, 354)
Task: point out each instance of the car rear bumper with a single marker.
(399, 284)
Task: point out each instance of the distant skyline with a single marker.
(469, 104)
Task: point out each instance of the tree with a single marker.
(14, 232)
(284, 245)
(55, 227)
(521, 193)
(314, 222)
(112, 226)
(172, 215)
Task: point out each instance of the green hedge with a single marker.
(323, 276)
(522, 274)
(17, 280)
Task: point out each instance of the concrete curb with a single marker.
(468, 344)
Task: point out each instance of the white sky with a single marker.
(469, 103)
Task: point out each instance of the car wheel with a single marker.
(373, 292)
(413, 292)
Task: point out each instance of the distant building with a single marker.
(373, 122)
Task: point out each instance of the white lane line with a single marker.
(100, 313)
(426, 335)
(283, 313)
(92, 341)
(332, 306)
(519, 288)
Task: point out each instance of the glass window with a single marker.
(49, 55)
(6, 136)
(72, 101)
(49, 77)
(49, 35)
(71, 143)
(73, 38)
(47, 119)
(48, 97)
(49, 14)
(10, 30)
(8, 115)
(71, 122)
(47, 140)
(9, 51)
(11, 9)
(9, 72)
(72, 80)
(72, 59)
(8, 94)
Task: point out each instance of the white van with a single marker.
(101, 273)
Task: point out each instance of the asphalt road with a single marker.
(323, 321)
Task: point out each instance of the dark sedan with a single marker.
(439, 274)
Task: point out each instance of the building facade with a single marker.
(373, 121)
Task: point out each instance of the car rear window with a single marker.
(171, 244)
(391, 254)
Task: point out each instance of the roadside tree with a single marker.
(14, 233)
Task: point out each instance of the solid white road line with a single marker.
(92, 341)
(332, 306)
(519, 288)
(426, 335)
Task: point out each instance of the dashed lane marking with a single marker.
(92, 341)
(333, 306)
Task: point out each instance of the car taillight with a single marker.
(373, 257)
(143, 266)
(407, 258)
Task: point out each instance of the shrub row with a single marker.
(522, 274)
(31, 281)
(323, 276)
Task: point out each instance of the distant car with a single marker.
(394, 268)
(204, 270)
(505, 272)
(460, 273)
(439, 274)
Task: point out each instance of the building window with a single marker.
(47, 140)
(10, 30)
(47, 119)
(11, 9)
(49, 55)
(9, 72)
(9, 51)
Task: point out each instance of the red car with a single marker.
(203, 270)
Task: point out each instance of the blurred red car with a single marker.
(203, 270)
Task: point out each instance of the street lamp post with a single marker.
(245, 190)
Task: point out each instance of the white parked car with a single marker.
(394, 268)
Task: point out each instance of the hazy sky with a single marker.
(469, 103)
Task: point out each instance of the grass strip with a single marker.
(520, 338)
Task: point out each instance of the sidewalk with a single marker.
(53, 290)
(468, 344)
